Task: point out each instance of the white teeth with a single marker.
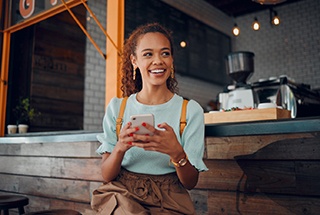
(157, 71)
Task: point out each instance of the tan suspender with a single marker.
(183, 117)
(120, 116)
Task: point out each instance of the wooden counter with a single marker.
(54, 175)
(262, 174)
(269, 167)
(265, 167)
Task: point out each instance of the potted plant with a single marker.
(24, 113)
(12, 129)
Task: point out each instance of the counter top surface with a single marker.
(284, 126)
(45, 137)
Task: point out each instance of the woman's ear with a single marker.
(133, 60)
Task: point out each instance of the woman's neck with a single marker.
(154, 97)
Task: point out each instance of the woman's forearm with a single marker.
(111, 164)
(188, 175)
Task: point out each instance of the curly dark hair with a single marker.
(130, 86)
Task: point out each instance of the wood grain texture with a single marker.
(67, 189)
(229, 147)
(83, 168)
(61, 149)
(51, 175)
(262, 204)
(246, 115)
(39, 203)
(266, 174)
(222, 175)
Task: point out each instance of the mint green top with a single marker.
(150, 162)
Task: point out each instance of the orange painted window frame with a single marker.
(115, 27)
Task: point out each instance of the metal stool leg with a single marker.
(21, 210)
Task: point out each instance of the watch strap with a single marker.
(181, 162)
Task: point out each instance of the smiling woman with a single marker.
(132, 161)
(148, 58)
(154, 64)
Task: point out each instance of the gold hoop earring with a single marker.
(172, 72)
(134, 72)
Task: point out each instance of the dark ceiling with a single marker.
(242, 7)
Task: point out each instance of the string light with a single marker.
(183, 44)
(275, 20)
(255, 24)
(236, 30)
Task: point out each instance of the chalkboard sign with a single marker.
(203, 57)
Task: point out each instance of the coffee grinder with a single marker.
(240, 68)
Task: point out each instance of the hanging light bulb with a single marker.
(183, 44)
(275, 19)
(255, 24)
(236, 30)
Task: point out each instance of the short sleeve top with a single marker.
(150, 162)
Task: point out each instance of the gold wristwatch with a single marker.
(182, 162)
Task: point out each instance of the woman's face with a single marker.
(153, 58)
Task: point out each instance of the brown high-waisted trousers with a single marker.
(133, 193)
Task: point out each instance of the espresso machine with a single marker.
(240, 67)
(282, 91)
(287, 94)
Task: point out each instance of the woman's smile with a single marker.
(157, 71)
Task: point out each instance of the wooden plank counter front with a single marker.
(266, 167)
(52, 175)
(267, 174)
(262, 168)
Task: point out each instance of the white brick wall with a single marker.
(292, 48)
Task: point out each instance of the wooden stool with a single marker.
(12, 201)
(55, 212)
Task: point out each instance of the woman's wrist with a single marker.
(181, 162)
(178, 155)
(119, 150)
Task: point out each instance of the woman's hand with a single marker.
(163, 140)
(111, 162)
(125, 137)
